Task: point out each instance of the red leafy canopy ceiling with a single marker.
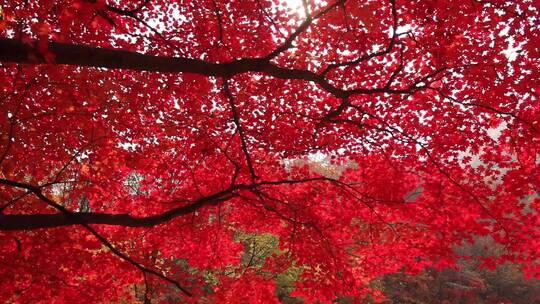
(149, 148)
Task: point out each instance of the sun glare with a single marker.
(295, 5)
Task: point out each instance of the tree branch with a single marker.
(70, 218)
(12, 50)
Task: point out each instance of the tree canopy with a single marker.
(207, 151)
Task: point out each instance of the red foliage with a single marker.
(123, 171)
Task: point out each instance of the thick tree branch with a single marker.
(12, 50)
(69, 214)
(69, 218)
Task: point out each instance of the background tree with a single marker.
(140, 139)
(468, 283)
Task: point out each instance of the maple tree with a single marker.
(146, 147)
